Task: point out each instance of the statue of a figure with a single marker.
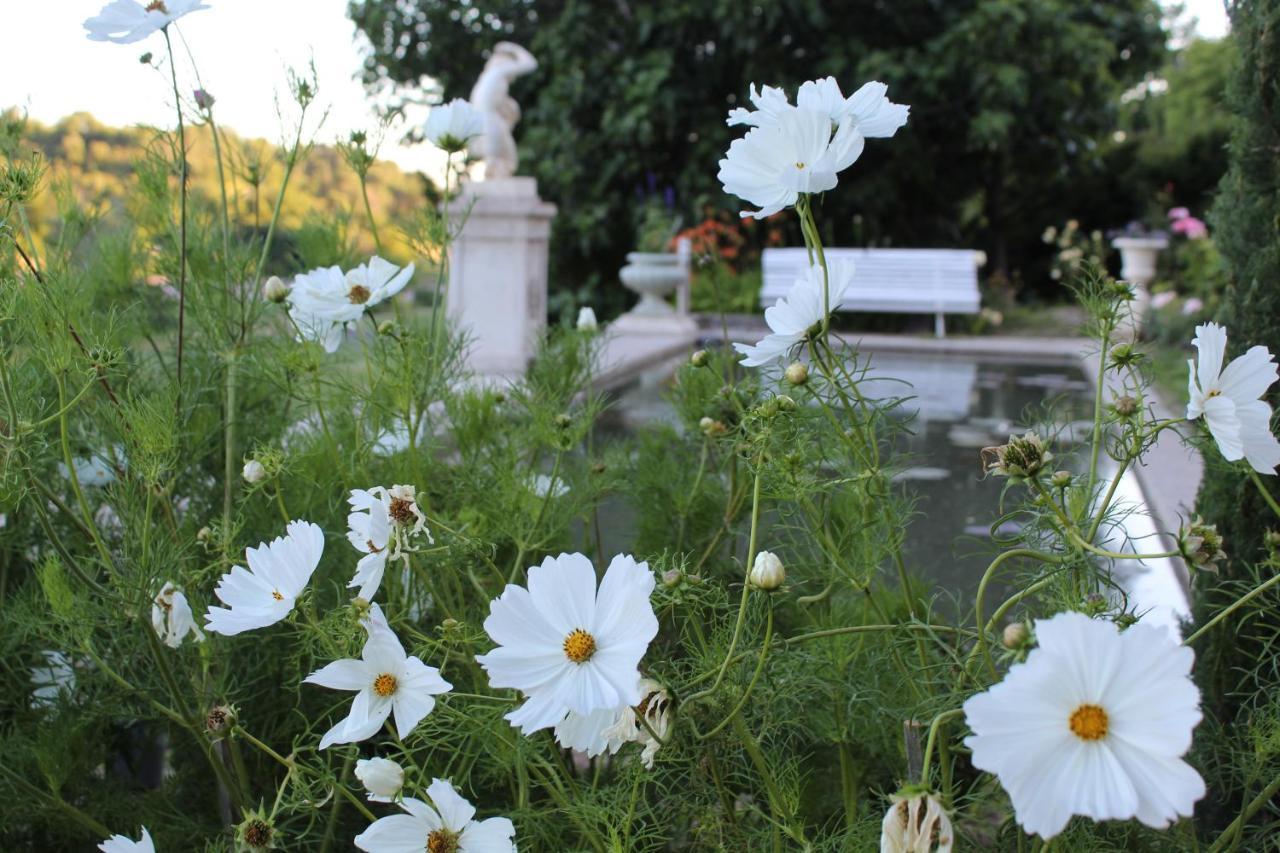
(496, 146)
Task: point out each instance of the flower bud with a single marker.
(785, 403)
(204, 534)
(1015, 636)
(797, 373)
(145, 59)
(564, 421)
(275, 290)
(767, 572)
(587, 319)
(1272, 539)
(1061, 479)
(1123, 355)
(203, 99)
(381, 777)
(387, 327)
(671, 577)
(253, 471)
(699, 358)
(1201, 545)
(598, 468)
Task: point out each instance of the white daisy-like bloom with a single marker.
(873, 114)
(568, 646)
(56, 678)
(1228, 398)
(791, 318)
(381, 525)
(449, 826)
(916, 824)
(171, 617)
(96, 469)
(655, 710)
(774, 164)
(125, 844)
(387, 683)
(265, 593)
(1094, 723)
(325, 298)
(127, 21)
(451, 126)
(381, 777)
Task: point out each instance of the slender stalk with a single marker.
(934, 727)
(1232, 608)
(1266, 493)
(1098, 385)
(182, 210)
(1232, 833)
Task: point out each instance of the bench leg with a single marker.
(939, 325)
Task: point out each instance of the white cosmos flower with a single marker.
(773, 164)
(125, 844)
(265, 593)
(381, 525)
(96, 469)
(127, 21)
(873, 114)
(386, 682)
(326, 298)
(381, 777)
(1228, 398)
(171, 617)
(450, 126)
(1094, 723)
(791, 318)
(449, 826)
(56, 678)
(568, 646)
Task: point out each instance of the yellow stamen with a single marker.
(579, 646)
(442, 841)
(275, 593)
(384, 685)
(1089, 722)
(358, 295)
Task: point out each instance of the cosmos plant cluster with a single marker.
(1094, 722)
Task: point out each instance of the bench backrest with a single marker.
(917, 281)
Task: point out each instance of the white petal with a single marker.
(454, 811)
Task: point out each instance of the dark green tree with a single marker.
(1237, 659)
(1009, 101)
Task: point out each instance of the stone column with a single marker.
(498, 273)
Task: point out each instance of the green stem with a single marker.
(1097, 407)
(368, 209)
(182, 215)
(1232, 832)
(1232, 608)
(987, 576)
(932, 739)
(1266, 493)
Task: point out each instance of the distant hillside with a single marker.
(97, 163)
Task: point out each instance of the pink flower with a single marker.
(1179, 213)
(1192, 306)
(1191, 228)
(1163, 298)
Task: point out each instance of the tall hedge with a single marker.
(1236, 661)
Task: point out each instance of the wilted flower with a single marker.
(916, 823)
(256, 832)
(1125, 406)
(792, 317)
(608, 729)
(1201, 545)
(1022, 457)
(587, 319)
(1228, 398)
(449, 827)
(767, 572)
(265, 593)
(381, 777)
(219, 720)
(451, 126)
(385, 681)
(124, 844)
(171, 617)
(569, 646)
(1094, 723)
(381, 525)
(127, 21)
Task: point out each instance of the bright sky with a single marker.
(242, 48)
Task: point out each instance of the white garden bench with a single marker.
(908, 281)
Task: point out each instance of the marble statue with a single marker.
(491, 96)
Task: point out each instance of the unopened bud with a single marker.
(767, 572)
(1126, 406)
(1015, 635)
(1061, 479)
(699, 358)
(204, 534)
(564, 421)
(387, 327)
(253, 471)
(1201, 545)
(598, 468)
(587, 319)
(785, 403)
(275, 290)
(797, 373)
(711, 427)
(671, 577)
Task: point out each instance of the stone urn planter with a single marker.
(653, 275)
(1138, 266)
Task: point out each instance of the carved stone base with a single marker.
(498, 273)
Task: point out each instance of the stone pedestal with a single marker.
(498, 273)
(1138, 256)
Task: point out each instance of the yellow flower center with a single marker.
(579, 646)
(1088, 722)
(384, 685)
(442, 841)
(401, 510)
(799, 165)
(1214, 393)
(275, 593)
(358, 295)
